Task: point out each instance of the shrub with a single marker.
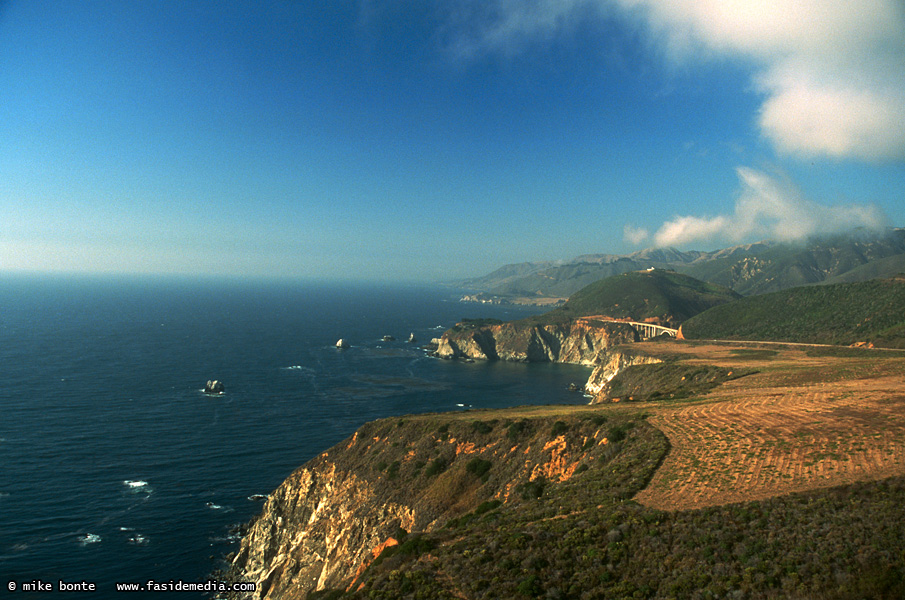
(517, 429)
(478, 466)
(488, 506)
(618, 432)
(436, 466)
(393, 470)
(530, 490)
(482, 427)
(416, 545)
(530, 587)
(559, 428)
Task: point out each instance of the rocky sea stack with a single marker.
(214, 387)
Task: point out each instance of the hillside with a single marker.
(662, 297)
(783, 266)
(748, 269)
(870, 311)
(785, 483)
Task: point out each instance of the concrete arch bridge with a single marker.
(645, 330)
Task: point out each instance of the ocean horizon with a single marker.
(116, 467)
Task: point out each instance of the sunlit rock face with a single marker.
(396, 479)
(577, 342)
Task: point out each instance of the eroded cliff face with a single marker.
(331, 518)
(318, 522)
(576, 342)
(609, 364)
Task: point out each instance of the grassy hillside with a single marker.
(870, 311)
(618, 549)
(664, 296)
(882, 268)
(586, 535)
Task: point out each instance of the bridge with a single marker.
(645, 330)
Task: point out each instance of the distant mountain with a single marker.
(563, 279)
(846, 313)
(657, 296)
(748, 269)
(780, 266)
(506, 274)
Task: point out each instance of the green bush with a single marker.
(478, 466)
(517, 429)
(436, 466)
(487, 506)
(531, 490)
(617, 433)
(530, 587)
(416, 545)
(559, 428)
(482, 427)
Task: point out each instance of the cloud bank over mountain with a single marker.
(768, 206)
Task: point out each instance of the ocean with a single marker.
(116, 467)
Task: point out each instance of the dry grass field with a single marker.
(810, 417)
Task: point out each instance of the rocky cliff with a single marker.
(397, 480)
(577, 342)
(321, 520)
(609, 364)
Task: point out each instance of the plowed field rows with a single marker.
(749, 440)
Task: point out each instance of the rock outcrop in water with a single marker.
(580, 342)
(214, 387)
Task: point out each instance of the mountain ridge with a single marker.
(748, 269)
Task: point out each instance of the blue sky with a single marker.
(428, 140)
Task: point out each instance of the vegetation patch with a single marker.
(754, 353)
(531, 490)
(518, 429)
(558, 429)
(471, 324)
(482, 427)
(669, 381)
(478, 466)
(436, 466)
(665, 296)
(841, 314)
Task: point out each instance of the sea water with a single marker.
(116, 467)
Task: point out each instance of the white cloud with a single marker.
(768, 207)
(684, 230)
(635, 235)
(480, 26)
(831, 71)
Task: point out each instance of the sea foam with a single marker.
(89, 538)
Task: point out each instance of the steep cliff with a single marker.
(394, 481)
(577, 342)
(609, 364)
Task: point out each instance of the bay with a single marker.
(115, 467)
